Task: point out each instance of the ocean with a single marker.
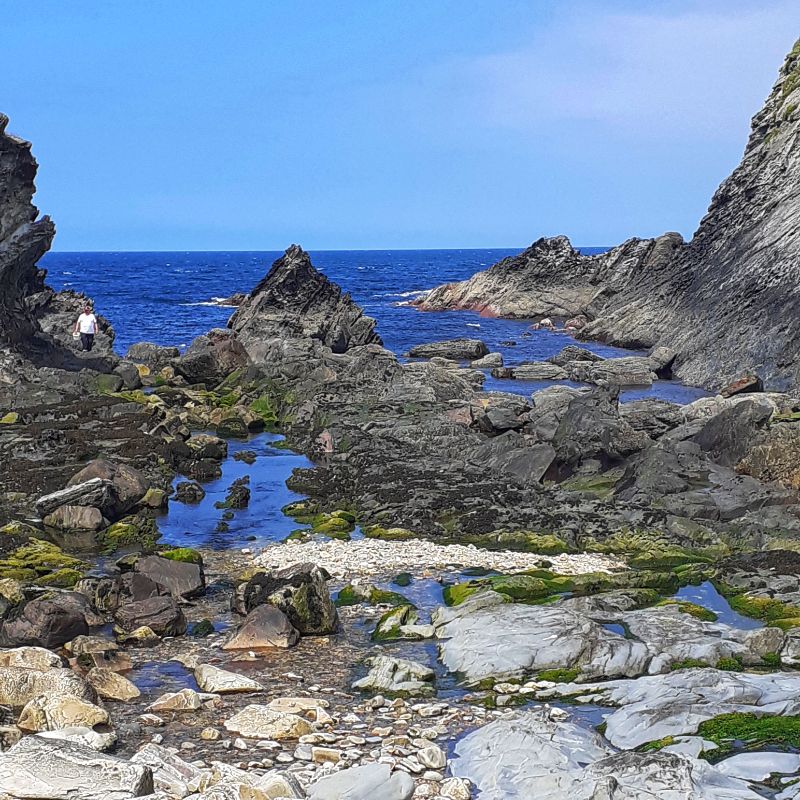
(167, 298)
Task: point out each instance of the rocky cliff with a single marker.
(727, 301)
(24, 239)
(295, 301)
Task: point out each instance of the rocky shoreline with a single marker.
(484, 594)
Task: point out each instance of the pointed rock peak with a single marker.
(296, 301)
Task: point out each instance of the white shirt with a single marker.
(87, 323)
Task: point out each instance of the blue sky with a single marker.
(249, 125)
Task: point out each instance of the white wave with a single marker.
(396, 295)
(473, 325)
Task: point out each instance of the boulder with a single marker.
(300, 591)
(539, 371)
(39, 767)
(94, 492)
(182, 578)
(161, 614)
(260, 722)
(76, 518)
(19, 685)
(489, 361)
(211, 357)
(129, 373)
(573, 352)
(264, 626)
(30, 657)
(184, 700)
(86, 737)
(153, 356)
(111, 686)
(368, 782)
(171, 774)
(456, 349)
(52, 712)
(128, 485)
(47, 621)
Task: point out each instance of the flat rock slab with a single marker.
(396, 675)
(48, 769)
(370, 782)
(656, 706)
(484, 638)
(264, 626)
(532, 755)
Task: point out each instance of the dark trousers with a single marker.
(87, 340)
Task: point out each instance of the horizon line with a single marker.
(329, 250)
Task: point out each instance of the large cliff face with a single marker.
(24, 239)
(727, 302)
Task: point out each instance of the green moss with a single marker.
(298, 535)
(185, 554)
(348, 596)
(601, 728)
(457, 593)
(752, 731)
(732, 664)
(17, 528)
(330, 526)
(558, 675)
(11, 418)
(772, 660)
(131, 531)
(42, 563)
(389, 534)
(773, 612)
(64, 578)
(266, 407)
(597, 485)
(202, 628)
(692, 609)
(688, 663)
(302, 511)
(388, 627)
(378, 597)
(137, 396)
(658, 744)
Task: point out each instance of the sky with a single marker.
(251, 124)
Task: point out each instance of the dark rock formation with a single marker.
(294, 300)
(725, 302)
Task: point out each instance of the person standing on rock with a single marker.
(86, 326)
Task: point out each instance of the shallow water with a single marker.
(707, 596)
(259, 523)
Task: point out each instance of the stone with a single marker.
(127, 484)
(489, 361)
(75, 518)
(171, 774)
(52, 712)
(87, 737)
(111, 686)
(39, 768)
(367, 782)
(260, 722)
(396, 676)
(46, 621)
(31, 658)
(211, 357)
(539, 371)
(264, 626)
(432, 757)
(745, 385)
(455, 349)
(189, 492)
(221, 681)
(160, 614)
(300, 591)
(573, 352)
(182, 578)
(153, 356)
(19, 685)
(94, 492)
(184, 700)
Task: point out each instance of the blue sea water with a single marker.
(167, 298)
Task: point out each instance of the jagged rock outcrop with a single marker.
(725, 302)
(294, 301)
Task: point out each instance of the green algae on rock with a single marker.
(136, 530)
